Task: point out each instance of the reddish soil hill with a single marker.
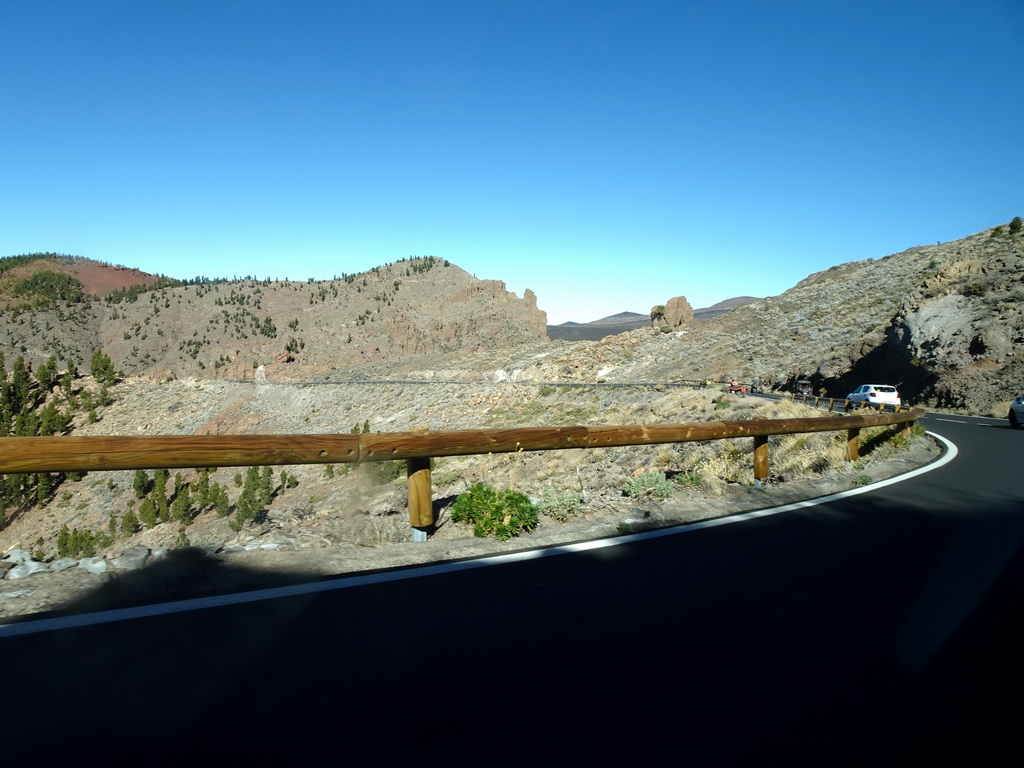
(100, 279)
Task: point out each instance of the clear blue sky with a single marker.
(607, 155)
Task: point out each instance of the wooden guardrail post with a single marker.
(421, 497)
(760, 459)
(852, 445)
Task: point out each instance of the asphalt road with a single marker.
(877, 627)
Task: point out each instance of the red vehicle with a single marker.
(736, 388)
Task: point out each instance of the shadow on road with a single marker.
(859, 631)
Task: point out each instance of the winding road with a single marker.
(875, 626)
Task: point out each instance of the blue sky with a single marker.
(607, 155)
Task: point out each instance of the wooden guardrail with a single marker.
(72, 453)
(820, 401)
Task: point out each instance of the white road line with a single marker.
(954, 421)
(344, 582)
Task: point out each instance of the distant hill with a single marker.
(42, 280)
(722, 307)
(631, 321)
(598, 329)
(623, 318)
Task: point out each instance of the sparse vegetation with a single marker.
(650, 484)
(688, 479)
(559, 505)
(502, 514)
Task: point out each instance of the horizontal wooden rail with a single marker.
(70, 454)
(76, 454)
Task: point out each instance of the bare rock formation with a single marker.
(678, 312)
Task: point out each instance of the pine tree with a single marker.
(26, 423)
(44, 487)
(202, 489)
(90, 407)
(266, 486)
(130, 523)
(159, 494)
(181, 509)
(52, 421)
(67, 381)
(101, 367)
(140, 483)
(20, 384)
(47, 373)
(220, 499)
(148, 513)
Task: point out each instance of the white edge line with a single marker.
(344, 582)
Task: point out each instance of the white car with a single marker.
(874, 394)
(1016, 415)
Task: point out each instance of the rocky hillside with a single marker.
(275, 329)
(943, 322)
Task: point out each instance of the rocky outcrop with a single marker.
(678, 312)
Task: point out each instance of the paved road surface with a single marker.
(883, 626)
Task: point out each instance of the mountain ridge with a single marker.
(942, 321)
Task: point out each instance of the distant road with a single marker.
(613, 384)
(876, 626)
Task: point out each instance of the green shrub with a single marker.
(559, 505)
(688, 478)
(503, 514)
(649, 484)
(721, 405)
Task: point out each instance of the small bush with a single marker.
(688, 479)
(559, 505)
(653, 484)
(503, 514)
(721, 405)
